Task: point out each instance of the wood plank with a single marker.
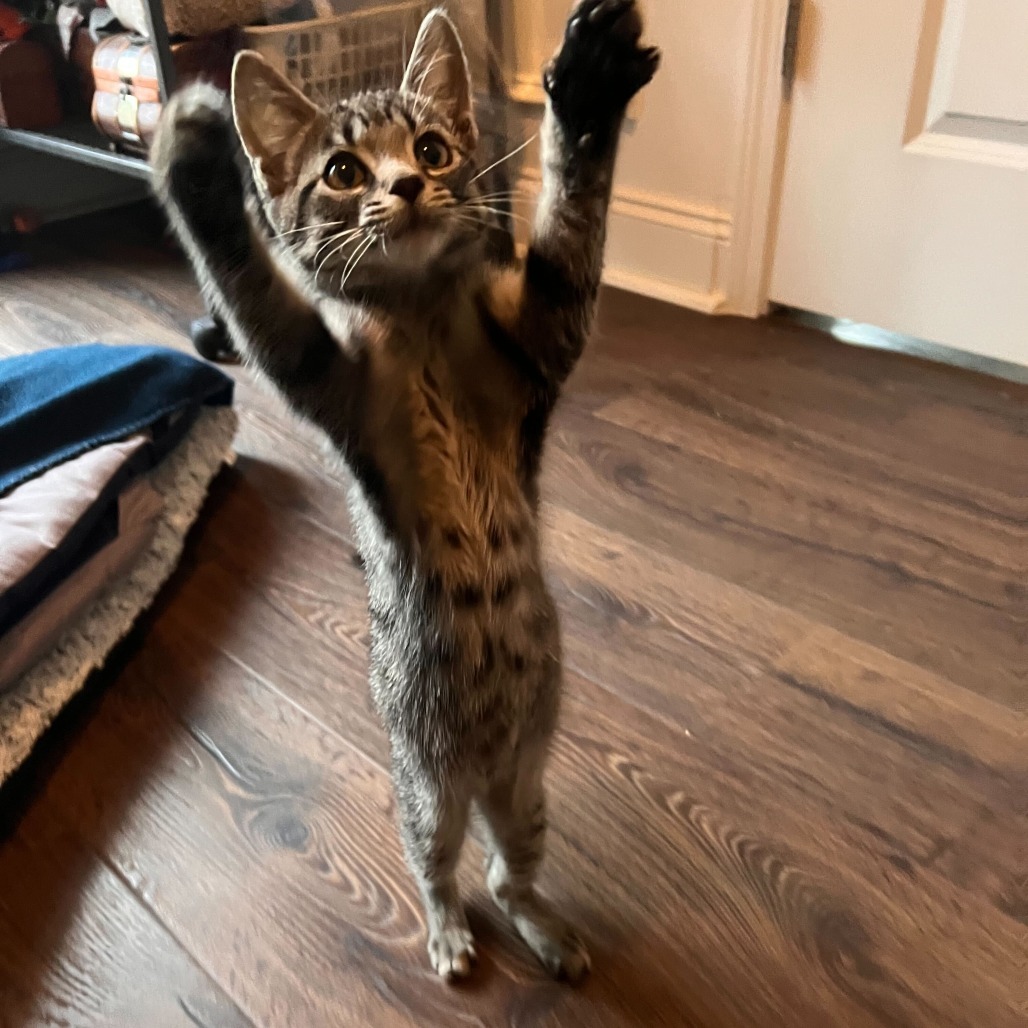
(925, 417)
(729, 524)
(98, 957)
(790, 785)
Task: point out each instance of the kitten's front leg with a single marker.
(197, 176)
(199, 179)
(600, 66)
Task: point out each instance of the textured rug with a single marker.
(182, 478)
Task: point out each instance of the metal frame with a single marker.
(81, 150)
(162, 46)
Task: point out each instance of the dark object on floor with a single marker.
(28, 86)
(212, 341)
(12, 260)
(12, 227)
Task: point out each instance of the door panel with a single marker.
(989, 54)
(905, 192)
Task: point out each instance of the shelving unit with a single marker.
(77, 139)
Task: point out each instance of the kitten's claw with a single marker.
(600, 66)
(571, 961)
(452, 952)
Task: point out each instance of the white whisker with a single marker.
(513, 153)
(352, 257)
(360, 256)
(339, 237)
(510, 194)
(310, 228)
(338, 250)
(497, 211)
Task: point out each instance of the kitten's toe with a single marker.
(571, 962)
(452, 952)
(620, 16)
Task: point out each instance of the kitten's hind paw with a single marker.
(555, 943)
(194, 153)
(452, 952)
(600, 66)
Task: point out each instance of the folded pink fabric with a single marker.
(34, 520)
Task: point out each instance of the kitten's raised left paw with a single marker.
(600, 66)
(194, 153)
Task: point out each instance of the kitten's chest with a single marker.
(450, 440)
(463, 451)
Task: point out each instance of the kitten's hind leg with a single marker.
(433, 820)
(514, 812)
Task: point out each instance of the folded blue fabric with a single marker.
(56, 404)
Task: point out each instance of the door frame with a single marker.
(761, 153)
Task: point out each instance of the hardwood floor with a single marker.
(791, 786)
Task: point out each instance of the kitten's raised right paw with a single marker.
(600, 66)
(194, 153)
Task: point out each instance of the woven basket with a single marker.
(329, 58)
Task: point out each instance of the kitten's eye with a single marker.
(432, 152)
(344, 171)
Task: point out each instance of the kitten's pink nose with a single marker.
(409, 188)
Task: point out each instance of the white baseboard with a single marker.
(663, 247)
(710, 302)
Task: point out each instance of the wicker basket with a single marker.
(330, 58)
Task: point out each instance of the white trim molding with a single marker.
(661, 246)
(964, 147)
(760, 153)
(668, 249)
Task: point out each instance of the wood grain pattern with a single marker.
(79, 946)
(791, 786)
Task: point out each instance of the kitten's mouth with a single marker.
(405, 226)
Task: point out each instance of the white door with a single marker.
(905, 189)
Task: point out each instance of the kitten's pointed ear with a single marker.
(274, 120)
(438, 69)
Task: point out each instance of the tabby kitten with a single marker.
(359, 284)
